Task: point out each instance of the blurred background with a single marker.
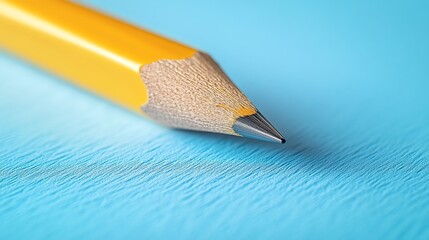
(346, 82)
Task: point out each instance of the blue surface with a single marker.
(347, 82)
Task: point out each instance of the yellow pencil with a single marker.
(168, 82)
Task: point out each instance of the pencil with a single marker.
(166, 81)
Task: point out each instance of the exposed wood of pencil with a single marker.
(172, 83)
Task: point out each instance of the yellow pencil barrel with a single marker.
(90, 49)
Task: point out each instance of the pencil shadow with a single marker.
(295, 145)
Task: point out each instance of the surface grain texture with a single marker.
(346, 82)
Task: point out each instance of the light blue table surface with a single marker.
(347, 82)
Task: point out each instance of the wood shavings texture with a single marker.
(193, 93)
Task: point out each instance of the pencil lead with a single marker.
(257, 126)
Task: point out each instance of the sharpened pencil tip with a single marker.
(257, 127)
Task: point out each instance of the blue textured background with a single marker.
(347, 82)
